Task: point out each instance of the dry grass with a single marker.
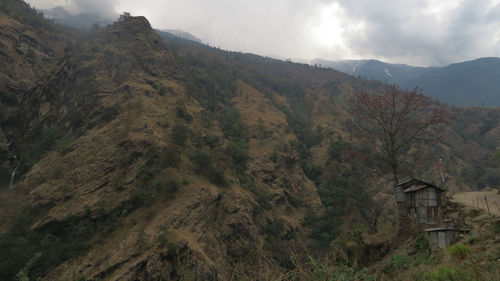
(476, 200)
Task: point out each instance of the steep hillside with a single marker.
(29, 47)
(142, 157)
(172, 159)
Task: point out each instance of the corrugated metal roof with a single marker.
(415, 188)
(439, 229)
(414, 185)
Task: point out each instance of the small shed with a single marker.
(441, 237)
(421, 201)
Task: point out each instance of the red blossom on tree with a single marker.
(396, 119)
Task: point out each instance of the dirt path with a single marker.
(475, 199)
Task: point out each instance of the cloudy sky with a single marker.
(416, 32)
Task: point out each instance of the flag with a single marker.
(439, 169)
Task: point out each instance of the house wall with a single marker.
(441, 238)
(425, 205)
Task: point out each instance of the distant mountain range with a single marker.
(469, 83)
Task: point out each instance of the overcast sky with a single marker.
(416, 32)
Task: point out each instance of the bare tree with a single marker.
(395, 120)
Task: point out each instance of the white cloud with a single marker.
(419, 32)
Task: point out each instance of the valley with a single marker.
(139, 155)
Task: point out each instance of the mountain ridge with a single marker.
(468, 83)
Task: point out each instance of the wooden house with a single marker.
(420, 202)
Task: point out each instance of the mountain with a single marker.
(138, 155)
(469, 83)
(394, 74)
(87, 21)
(30, 45)
(183, 35)
(81, 20)
(150, 152)
(466, 83)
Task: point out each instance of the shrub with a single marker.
(201, 160)
(8, 99)
(162, 91)
(421, 250)
(167, 184)
(181, 112)
(217, 177)
(444, 273)
(140, 197)
(40, 147)
(230, 123)
(203, 164)
(461, 273)
(496, 226)
(396, 262)
(145, 174)
(239, 153)
(180, 134)
(109, 114)
(172, 250)
(421, 243)
(162, 240)
(211, 140)
(170, 157)
(459, 251)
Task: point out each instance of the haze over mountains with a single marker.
(469, 83)
(87, 21)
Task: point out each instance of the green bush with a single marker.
(459, 251)
(42, 146)
(230, 123)
(140, 197)
(211, 140)
(397, 261)
(336, 148)
(496, 226)
(180, 134)
(217, 177)
(8, 99)
(181, 112)
(109, 114)
(421, 243)
(239, 152)
(201, 160)
(445, 273)
(172, 250)
(166, 184)
(204, 165)
(145, 174)
(162, 91)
